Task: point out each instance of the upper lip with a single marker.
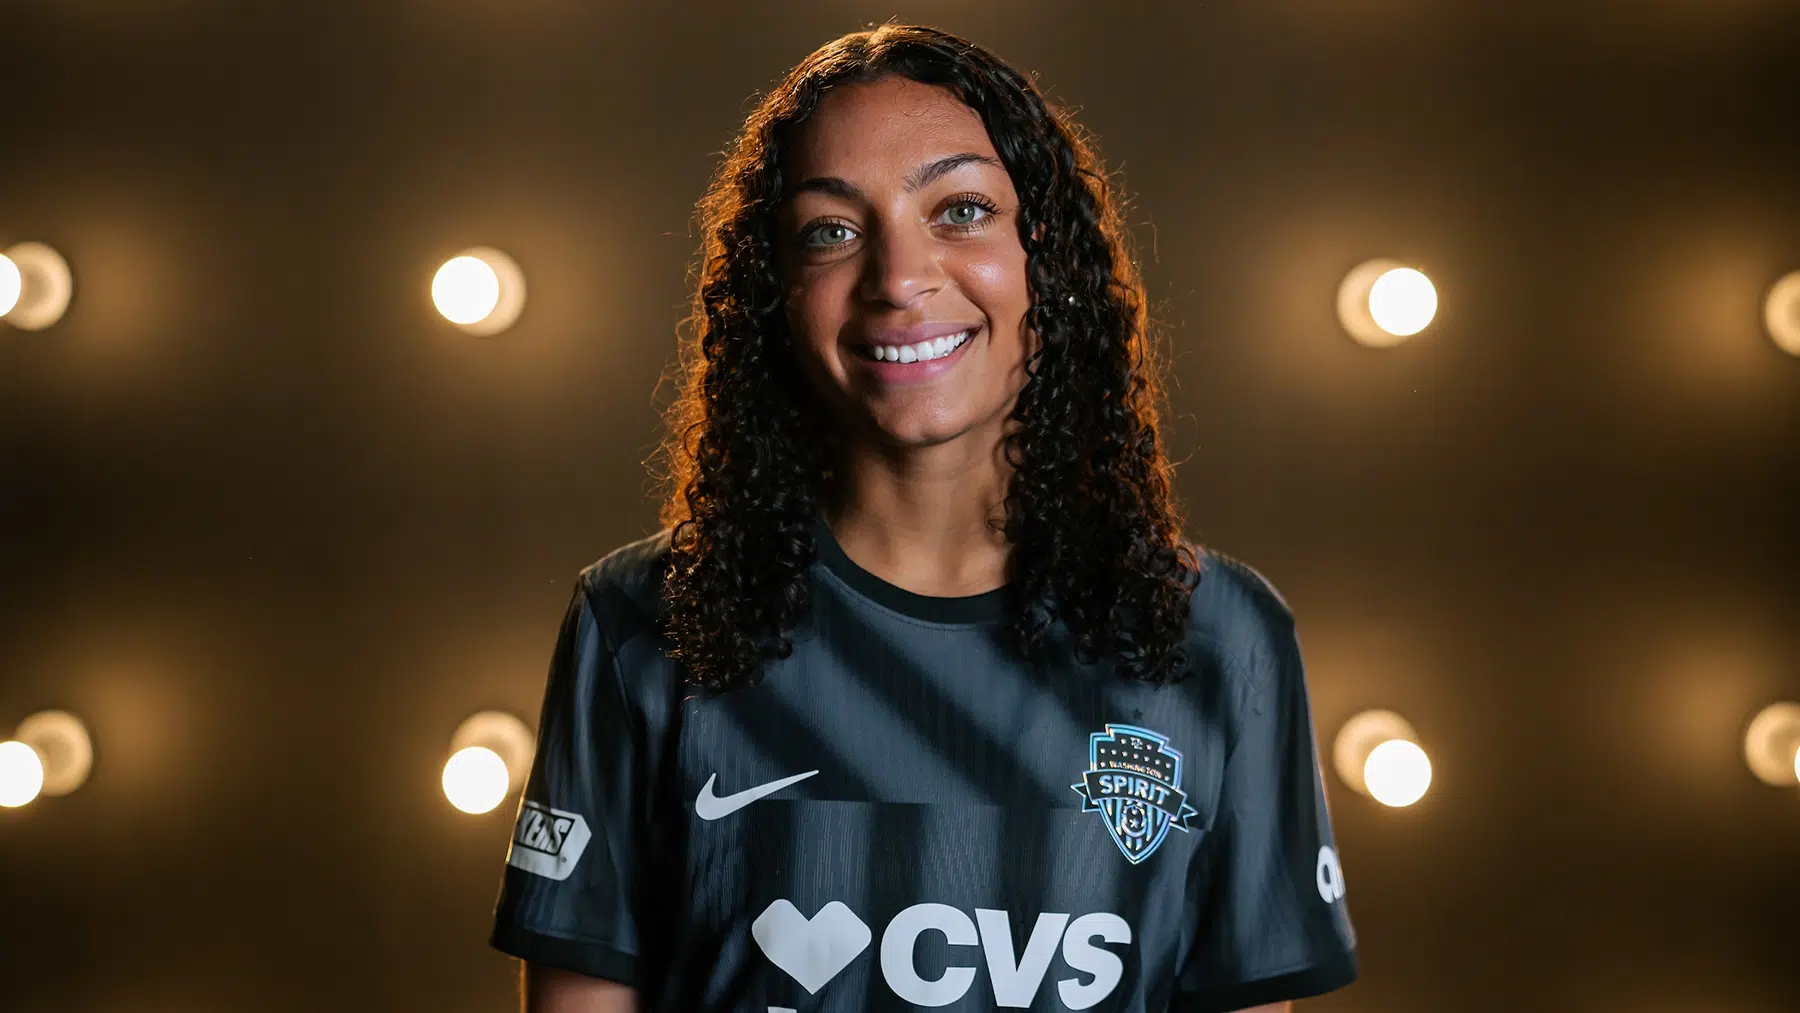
(914, 334)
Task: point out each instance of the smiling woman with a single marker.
(920, 698)
(915, 272)
(906, 282)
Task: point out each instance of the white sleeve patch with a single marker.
(1330, 876)
(548, 842)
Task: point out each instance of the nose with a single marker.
(902, 266)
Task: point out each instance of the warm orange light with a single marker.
(490, 755)
(476, 779)
(1781, 313)
(1383, 302)
(35, 286)
(21, 774)
(1397, 773)
(1772, 744)
(12, 284)
(480, 290)
(1377, 753)
(48, 755)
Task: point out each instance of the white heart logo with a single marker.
(812, 952)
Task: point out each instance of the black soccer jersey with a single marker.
(904, 814)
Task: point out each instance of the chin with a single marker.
(915, 432)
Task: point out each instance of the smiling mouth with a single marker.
(923, 351)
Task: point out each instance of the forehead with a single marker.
(886, 127)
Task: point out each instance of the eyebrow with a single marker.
(930, 172)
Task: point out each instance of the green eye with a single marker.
(968, 214)
(963, 213)
(827, 227)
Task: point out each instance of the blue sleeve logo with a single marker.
(1134, 781)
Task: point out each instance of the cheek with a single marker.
(815, 313)
(1000, 270)
(997, 285)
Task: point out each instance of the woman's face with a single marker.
(899, 225)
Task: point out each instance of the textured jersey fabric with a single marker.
(904, 815)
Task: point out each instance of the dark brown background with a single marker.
(273, 528)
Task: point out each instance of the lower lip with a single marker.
(908, 374)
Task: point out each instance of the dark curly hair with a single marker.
(1094, 534)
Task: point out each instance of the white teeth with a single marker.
(936, 348)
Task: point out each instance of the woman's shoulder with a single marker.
(1237, 584)
(1237, 612)
(624, 585)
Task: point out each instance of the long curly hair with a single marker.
(1094, 532)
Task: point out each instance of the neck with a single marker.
(919, 520)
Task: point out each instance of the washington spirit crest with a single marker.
(1133, 781)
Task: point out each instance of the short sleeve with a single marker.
(1273, 925)
(565, 899)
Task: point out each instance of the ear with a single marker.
(1037, 232)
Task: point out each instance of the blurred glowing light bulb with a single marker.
(480, 290)
(1397, 773)
(1772, 744)
(1382, 302)
(1781, 313)
(465, 290)
(476, 779)
(49, 755)
(1402, 301)
(12, 283)
(21, 774)
(489, 757)
(35, 286)
(1377, 752)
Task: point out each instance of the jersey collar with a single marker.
(988, 606)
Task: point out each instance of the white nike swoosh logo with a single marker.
(711, 807)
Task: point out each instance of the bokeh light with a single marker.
(465, 290)
(1403, 301)
(1781, 313)
(1383, 302)
(12, 284)
(1772, 744)
(1397, 772)
(21, 774)
(480, 290)
(476, 779)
